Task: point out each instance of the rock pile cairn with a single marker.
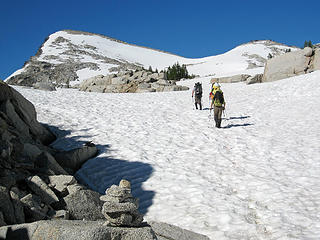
(120, 207)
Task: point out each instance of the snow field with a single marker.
(256, 178)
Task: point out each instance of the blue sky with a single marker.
(188, 28)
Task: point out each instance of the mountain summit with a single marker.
(69, 57)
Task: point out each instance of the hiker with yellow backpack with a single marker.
(217, 101)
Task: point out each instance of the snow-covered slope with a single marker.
(106, 53)
(256, 178)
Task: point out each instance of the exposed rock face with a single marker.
(291, 64)
(73, 159)
(44, 86)
(47, 164)
(61, 182)
(39, 187)
(6, 206)
(48, 73)
(17, 205)
(75, 230)
(254, 79)
(129, 81)
(35, 210)
(84, 204)
(21, 115)
(120, 208)
(2, 222)
(255, 60)
(166, 231)
(95, 230)
(231, 79)
(316, 60)
(29, 188)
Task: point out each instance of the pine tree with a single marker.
(305, 44)
(310, 44)
(176, 72)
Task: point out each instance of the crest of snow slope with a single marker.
(85, 47)
(256, 178)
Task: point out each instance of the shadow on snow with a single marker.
(108, 171)
(241, 117)
(238, 125)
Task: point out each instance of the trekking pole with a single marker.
(225, 113)
(192, 103)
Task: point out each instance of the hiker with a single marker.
(218, 103)
(197, 93)
(215, 85)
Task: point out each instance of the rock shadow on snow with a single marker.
(109, 171)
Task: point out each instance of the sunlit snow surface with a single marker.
(256, 178)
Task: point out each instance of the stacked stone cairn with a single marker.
(120, 207)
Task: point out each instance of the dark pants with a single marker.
(218, 115)
(197, 100)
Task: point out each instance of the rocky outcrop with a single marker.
(291, 64)
(33, 185)
(231, 79)
(6, 207)
(44, 86)
(129, 82)
(84, 204)
(254, 79)
(34, 208)
(73, 159)
(95, 230)
(120, 207)
(315, 64)
(20, 114)
(44, 72)
(166, 231)
(41, 189)
(47, 164)
(75, 230)
(61, 182)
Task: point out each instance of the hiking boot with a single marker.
(219, 123)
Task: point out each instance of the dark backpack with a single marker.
(198, 90)
(218, 97)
